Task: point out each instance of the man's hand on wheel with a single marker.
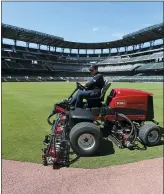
(80, 86)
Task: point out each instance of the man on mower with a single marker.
(92, 88)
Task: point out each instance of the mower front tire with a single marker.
(85, 138)
(150, 134)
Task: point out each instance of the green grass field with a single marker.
(25, 107)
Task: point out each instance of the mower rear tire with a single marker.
(85, 138)
(150, 134)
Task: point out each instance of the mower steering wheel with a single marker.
(79, 86)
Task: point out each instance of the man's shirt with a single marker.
(97, 82)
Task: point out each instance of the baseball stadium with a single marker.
(50, 146)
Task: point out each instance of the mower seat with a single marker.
(97, 101)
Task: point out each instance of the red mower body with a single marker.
(136, 104)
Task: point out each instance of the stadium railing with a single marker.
(14, 65)
(4, 65)
(158, 65)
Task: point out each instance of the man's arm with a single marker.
(92, 82)
(89, 84)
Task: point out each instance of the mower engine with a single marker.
(123, 133)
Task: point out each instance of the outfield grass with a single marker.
(25, 107)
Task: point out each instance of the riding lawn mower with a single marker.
(121, 117)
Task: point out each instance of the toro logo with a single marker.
(120, 103)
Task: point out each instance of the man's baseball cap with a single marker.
(93, 67)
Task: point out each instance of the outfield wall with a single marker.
(131, 79)
(114, 81)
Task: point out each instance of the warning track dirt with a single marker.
(29, 178)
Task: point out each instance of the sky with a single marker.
(83, 21)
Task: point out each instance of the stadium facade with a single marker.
(26, 63)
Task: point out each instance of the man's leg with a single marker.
(80, 96)
(73, 101)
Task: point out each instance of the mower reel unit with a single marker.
(121, 117)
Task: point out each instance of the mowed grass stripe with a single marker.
(21, 125)
(25, 107)
(24, 114)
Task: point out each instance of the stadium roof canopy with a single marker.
(151, 33)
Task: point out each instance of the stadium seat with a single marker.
(5, 54)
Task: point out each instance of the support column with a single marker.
(27, 44)
(134, 46)
(38, 46)
(118, 50)
(101, 51)
(49, 48)
(77, 53)
(126, 48)
(15, 42)
(86, 51)
(141, 46)
(152, 43)
(70, 50)
(55, 49)
(93, 51)
(110, 51)
(62, 50)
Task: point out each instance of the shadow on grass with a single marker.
(140, 147)
(162, 130)
(159, 144)
(144, 147)
(106, 148)
(74, 160)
